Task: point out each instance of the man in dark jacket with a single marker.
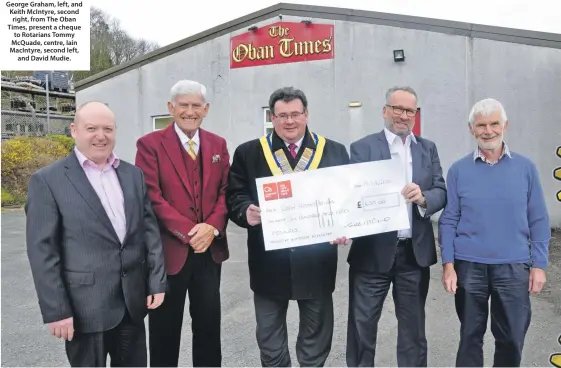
(400, 259)
(305, 274)
(94, 247)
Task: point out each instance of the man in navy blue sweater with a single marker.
(494, 235)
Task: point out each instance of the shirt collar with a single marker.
(305, 141)
(390, 136)
(298, 144)
(477, 154)
(183, 137)
(113, 160)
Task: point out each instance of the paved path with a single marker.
(25, 341)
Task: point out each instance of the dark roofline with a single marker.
(550, 40)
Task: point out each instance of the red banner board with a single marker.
(282, 42)
(417, 126)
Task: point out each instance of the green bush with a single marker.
(67, 142)
(8, 199)
(21, 157)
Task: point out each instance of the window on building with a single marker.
(162, 122)
(267, 121)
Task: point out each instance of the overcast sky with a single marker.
(167, 21)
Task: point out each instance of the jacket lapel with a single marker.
(384, 147)
(127, 185)
(79, 180)
(173, 150)
(417, 158)
(206, 152)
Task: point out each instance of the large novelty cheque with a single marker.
(303, 207)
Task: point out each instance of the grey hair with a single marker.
(487, 107)
(187, 87)
(400, 88)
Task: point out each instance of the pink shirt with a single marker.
(108, 188)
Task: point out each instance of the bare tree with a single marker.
(110, 45)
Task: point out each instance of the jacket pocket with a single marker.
(79, 278)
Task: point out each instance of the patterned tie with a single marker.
(191, 150)
(292, 149)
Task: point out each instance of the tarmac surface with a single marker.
(26, 341)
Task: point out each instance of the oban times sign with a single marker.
(282, 42)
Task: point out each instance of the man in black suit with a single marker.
(305, 274)
(94, 247)
(401, 258)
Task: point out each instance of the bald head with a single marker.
(93, 110)
(93, 131)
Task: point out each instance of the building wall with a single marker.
(528, 82)
(448, 72)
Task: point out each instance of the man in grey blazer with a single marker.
(94, 247)
(401, 258)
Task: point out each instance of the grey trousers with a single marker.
(125, 344)
(314, 336)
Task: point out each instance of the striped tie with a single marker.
(191, 150)
(292, 149)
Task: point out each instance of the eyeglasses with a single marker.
(399, 110)
(294, 116)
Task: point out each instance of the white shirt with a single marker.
(298, 144)
(402, 151)
(185, 140)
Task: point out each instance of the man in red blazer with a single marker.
(186, 170)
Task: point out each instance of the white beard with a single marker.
(491, 146)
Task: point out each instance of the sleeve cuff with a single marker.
(157, 288)
(242, 215)
(447, 257)
(63, 314)
(540, 265)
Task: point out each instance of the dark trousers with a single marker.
(367, 293)
(125, 344)
(314, 335)
(507, 287)
(200, 276)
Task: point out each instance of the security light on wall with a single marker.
(307, 21)
(398, 55)
(252, 28)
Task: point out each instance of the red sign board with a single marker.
(417, 126)
(282, 42)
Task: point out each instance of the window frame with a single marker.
(156, 117)
(267, 121)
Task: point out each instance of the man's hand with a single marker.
(63, 329)
(412, 193)
(253, 215)
(202, 237)
(154, 301)
(449, 278)
(340, 241)
(537, 280)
